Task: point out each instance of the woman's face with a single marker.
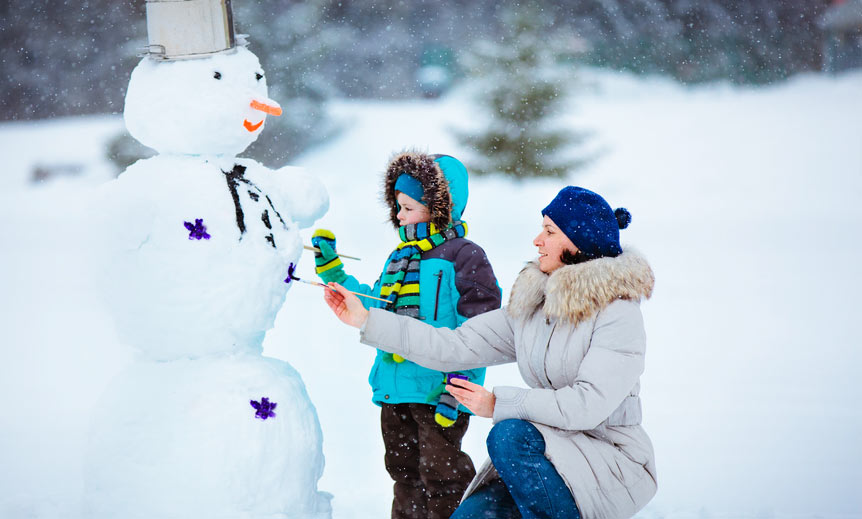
(412, 211)
(551, 243)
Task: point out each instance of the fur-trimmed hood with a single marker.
(443, 179)
(575, 293)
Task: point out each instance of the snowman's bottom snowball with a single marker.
(180, 439)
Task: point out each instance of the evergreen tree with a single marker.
(523, 89)
(745, 41)
(74, 57)
(67, 58)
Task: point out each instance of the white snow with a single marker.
(745, 201)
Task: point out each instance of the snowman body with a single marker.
(179, 440)
(214, 287)
(198, 244)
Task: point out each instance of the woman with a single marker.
(571, 445)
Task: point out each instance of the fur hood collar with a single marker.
(575, 293)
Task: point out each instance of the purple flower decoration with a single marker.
(290, 273)
(450, 376)
(264, 408)
(198, 230)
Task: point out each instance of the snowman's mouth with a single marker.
(251, 126)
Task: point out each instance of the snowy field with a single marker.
(745, 200)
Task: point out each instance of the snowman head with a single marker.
(216, 105)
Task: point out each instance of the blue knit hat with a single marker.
(588, 220)
(411, 187)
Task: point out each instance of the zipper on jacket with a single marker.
(547, 349)
(437, 297)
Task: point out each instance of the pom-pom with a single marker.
(624, 217)
(393, 357)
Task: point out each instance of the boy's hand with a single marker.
(327, 263)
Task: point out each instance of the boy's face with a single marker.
(412, 211)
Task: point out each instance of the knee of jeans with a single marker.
(519, 434)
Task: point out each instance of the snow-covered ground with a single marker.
(746, 202)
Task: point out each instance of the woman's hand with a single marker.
(345, 305)
(473, 396)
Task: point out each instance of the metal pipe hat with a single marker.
(185, 29)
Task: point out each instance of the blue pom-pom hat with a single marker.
(588, 220)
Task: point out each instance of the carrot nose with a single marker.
(271, 109)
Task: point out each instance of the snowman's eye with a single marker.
(217, 75)
(258, 76)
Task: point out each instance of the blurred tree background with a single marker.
(64, 57)
(523, 77)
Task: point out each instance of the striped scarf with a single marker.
(402, 272)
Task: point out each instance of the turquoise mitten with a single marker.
(327, 263)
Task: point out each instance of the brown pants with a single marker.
(425, 460)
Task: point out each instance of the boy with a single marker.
(436, 275)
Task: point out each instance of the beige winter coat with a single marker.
(578, 338)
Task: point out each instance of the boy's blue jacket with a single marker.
(456, 280)
(445, 299)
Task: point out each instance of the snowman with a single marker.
(197, 245)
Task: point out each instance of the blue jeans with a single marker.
(529, 486)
